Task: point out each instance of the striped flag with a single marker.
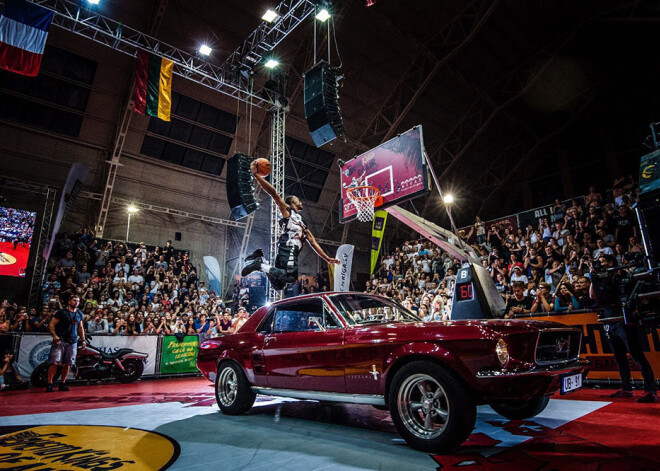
(23, 32)
(152, 94)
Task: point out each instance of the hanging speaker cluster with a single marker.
(240, 191)
(322, 103)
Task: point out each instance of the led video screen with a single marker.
(16, 228)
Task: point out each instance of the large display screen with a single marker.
(16, 228)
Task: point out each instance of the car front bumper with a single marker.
(502, 385)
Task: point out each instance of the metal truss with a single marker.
(277, 160)
(450, 40)
(166, 210)
(232, 78)
(122, 131)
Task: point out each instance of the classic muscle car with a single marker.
(358, 348)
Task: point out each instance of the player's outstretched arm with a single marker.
(309, 237)
(270, 189)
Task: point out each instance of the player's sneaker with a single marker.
(254, 265)
(648, 397)
(256, 254)
(622, 393)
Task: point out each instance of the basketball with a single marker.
(263, 167)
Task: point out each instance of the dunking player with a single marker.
(293, 233)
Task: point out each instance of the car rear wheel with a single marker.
(232, 390)
(521, 410)
(430, 408)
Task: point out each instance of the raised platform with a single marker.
(585, 429)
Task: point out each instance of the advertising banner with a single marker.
(649, 172)
(377, 231)
(179, 356)
(140, 343)
(343, 271)
(596, 349)
(74, 182)
(32, 351)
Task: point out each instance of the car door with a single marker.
(304, 349)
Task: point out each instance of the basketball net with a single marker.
(364, 199)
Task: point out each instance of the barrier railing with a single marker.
(169, 355)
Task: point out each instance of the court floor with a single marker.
(176, 423)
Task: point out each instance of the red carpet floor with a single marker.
(20, 254)
(622, 435)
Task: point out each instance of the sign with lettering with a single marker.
(68, 447)
(179, 356)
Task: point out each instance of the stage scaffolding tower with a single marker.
(278, 153)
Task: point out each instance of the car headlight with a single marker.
(502, 352)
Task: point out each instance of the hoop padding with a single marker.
(364, 199)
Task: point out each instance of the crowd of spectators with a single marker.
(539, 268)
(16, 226)
(125, 289)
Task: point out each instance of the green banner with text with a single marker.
(179, 356)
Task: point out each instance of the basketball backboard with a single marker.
(398, 168)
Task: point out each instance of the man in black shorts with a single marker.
(65, 326)
(293, 232)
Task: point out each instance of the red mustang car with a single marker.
(364, 349)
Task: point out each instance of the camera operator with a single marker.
(622, 337)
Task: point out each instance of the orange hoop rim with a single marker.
(375, 196)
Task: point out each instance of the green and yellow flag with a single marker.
(152, 94)
(377, 231)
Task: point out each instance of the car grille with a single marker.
(558, 346)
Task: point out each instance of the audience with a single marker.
(535, 269)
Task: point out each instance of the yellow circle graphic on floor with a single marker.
(6, 259)
(83, 447)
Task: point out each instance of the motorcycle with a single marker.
(125, 365)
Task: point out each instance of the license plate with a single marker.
(571, 383)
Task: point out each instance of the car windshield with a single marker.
(363, 309)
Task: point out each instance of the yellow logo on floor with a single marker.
(92, 448)
(6, 259)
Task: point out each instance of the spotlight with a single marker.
(204, 50)
(270, 63)
(448, 198)
(323, 15)
(270, 16)
(132, 209)
(93, 2)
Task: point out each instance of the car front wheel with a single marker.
(232, 390)
(521, 410)
(430, 408)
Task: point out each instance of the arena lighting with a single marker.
(93, 2)
(323, 15)
(131, 209)
(204, 50)
(448, 198)
(271, 63)
(270, 16)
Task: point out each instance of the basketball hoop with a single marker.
(365, 199)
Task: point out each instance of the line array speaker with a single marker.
(240, 191)
(322, 111)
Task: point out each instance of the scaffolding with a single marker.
(278, 154)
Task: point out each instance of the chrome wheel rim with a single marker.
(227, 386)
(423, 406)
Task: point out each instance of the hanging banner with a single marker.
(72, 186)
(377, 231)
(343, 271)
(179, 356)
(213, 274)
